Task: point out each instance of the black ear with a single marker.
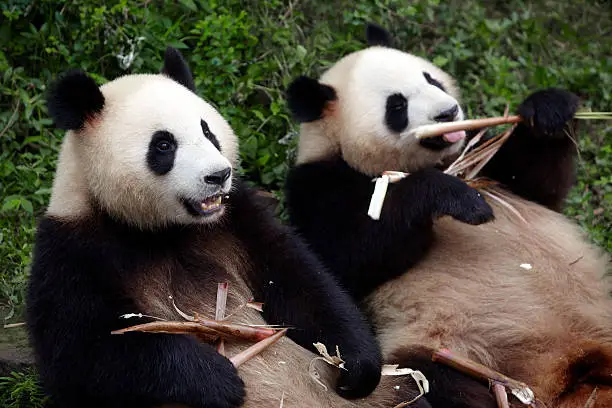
(377, 35)
(308, 97)
(74, 98)
(177, 69)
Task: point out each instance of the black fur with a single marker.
(162, 152)
(298, 282)
(73, 99)
(396, 112)
(176, 68)
(377, 35)
(307, 98)
(435, 143)
(448, 387)
(328, 203)
(218, 177)
(209, 135)
(447, 115)
(537, 162)
(433, 81)
(78, 290)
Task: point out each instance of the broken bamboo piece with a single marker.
(203, 326)
(479, 371)
(242, 331)
(256, 348)
(500, 395)
(170, 327)
(222, 289)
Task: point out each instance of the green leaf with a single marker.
(440, 61)
(27, 205)
(190, 4)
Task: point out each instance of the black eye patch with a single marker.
(162, 151)
(396, 112)
(209, 135)
(433, 81)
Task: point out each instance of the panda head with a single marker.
(143, 148)
(365, 106)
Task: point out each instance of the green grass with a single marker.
(22, 390)
(245, 53)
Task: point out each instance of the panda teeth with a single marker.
(211, 203)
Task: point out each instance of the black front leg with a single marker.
(298, 292)
(537, 162)
(328, 203)
(147, 370)
(73, 306)
(133, 370)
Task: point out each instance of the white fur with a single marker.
(355, 124)
(106, 161)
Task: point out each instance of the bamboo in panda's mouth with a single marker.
(448, 128)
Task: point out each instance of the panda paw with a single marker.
(226, 389)
(548, 111)
(465, 204)
(360, 377)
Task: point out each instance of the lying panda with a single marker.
(524, 298)
(145, 206)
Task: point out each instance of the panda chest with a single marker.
(186, 280)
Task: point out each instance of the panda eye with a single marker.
(164, 146)
(396, 112)
(399, 105)
(396, 102)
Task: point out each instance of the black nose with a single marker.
(447, 115)
(218, 177)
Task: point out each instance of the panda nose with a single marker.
(447, 115)
(218, 177)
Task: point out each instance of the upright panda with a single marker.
(430, 282)
(145, 205)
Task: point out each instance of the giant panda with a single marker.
(443, 267)
(146, 205)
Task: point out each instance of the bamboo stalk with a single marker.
(203, 326)
(593, 115)
(502, 139)
(478, 157)
(592, 398)
(467, 153)
(256, 348)
(169, 327)
(438, 129)
(500, 395)
(222, 289)
(237, 330)
(477, 370)
(11, 325)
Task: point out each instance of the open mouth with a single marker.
(206, 207)
(443, 141)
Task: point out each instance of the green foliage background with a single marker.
(245, 53)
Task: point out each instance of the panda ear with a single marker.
(307, 98)
(377, 35)
(73, 99)
(176, 68)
